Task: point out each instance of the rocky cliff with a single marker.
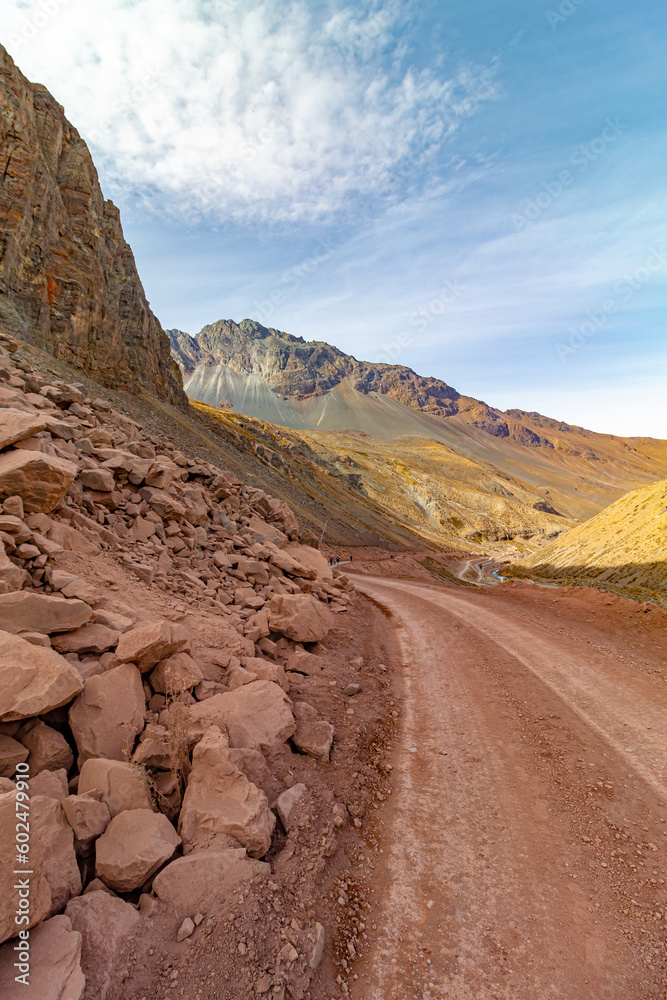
(68, 280)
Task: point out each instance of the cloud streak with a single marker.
(258, 112)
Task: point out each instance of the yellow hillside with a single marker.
(624, 548)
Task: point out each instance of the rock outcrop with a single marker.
(68, 279)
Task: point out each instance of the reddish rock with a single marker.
(55, 964)
(109, 714)
(11, 754)
(206, 880)
(120, 785)
(132, 848)
(300, 617)
(221, 802)
(257, 716)
(149, 644)
(33, 681)
(18, 424)
(313, 736)
(87, 816)
(49, 826)
(91, 638)
(40, 480)
(30, 612)
(48, 749)
(105, 922)
(175, 674)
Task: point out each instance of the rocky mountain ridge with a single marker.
(68, 280)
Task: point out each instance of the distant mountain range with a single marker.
(444, 463)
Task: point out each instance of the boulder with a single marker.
(253, 764)
(91, 638)
(175, 674)
(313, 736)
(15, 425)
(257, 716)
(11, 754)
(11, 577)
(40, 892)
(54, 964)
(49, 750)
(100, 480)
(31, 612)
(205, 881)
(309, 556)
(301, 662)
(221, 802)
(105, 922)
(49, 826)
(33, 680)
(121, 785)
(52, 784)
(134, 845)
(149, 644)
(72, 540)
(87, 816)
(288, 564)
(154, 749)
(299, 617)
(108, 714)
(40, 480)
(287, 803)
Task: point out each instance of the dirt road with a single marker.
(524, 842)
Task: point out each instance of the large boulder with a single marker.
(87, 816)
(53, 964)
(299, 617)
(121, 786)
(30, 612)
(39, 903)
(12, 577)
(40, 480)
(11, 754)
(221, 802)
(15, 425)
(49, 826)
(49, 750)
(204, 881)
(134, 845)
(257, 716)
(108, 714)
(175, 674)
(91, 638)
(105, 922)
(149, 644)
(33, 680)
(311, 557)
(52, 784)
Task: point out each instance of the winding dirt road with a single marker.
(524, 842)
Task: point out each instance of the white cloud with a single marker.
(254, 111)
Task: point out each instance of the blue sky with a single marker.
(474, 189)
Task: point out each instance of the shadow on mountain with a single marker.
(645, 581)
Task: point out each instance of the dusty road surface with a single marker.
(524, 842)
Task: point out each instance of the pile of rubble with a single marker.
(140, 768)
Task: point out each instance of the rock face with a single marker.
(68, 279)
(33, 680)
(220, 801)
(55, 964)
(133, 847)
